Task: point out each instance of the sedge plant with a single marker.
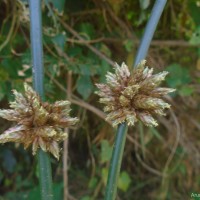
(39, 124)
(132, 96)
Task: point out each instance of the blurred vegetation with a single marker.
(81, 41)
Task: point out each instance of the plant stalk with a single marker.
(45, 175)
(149, 31)
(116, 160)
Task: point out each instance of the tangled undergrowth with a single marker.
(81, 41)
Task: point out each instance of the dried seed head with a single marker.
(131, 97)
(39, 123)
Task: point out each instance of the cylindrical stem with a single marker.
(36, 46)
(118, 149)
(45, 176)
(37, 61)
(115, 164)
(149, 30)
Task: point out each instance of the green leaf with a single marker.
(57, 191)
(144, 4)
(104, 175)
(128, 44)
(35, 192)
(86, 198)
(85, 69)
(178, 75)
(58, 4)
(60, 40)
(75, 51)
(180, 150)
(130, 15)
(186, 91)
(195, 39)
(16, 196)
(3, 75)
(106, 151)
(87, 29)
(105, 50)
(194, 11)
(84, 86)
(26, 57)
(124, 181)
(74, 68)
(142, 18)
(182, 168)
(93, 182)
(11, 66)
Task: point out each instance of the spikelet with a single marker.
(39, 124)
(129, 97)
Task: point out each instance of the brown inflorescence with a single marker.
(129, 97)
(39, 124)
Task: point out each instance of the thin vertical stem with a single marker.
(36, 46)
(45, 176)
(116, 160)
(149, 30)
(37, 60)
(118, 149)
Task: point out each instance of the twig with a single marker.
(150, 169)
(119, 22)
(85, 41)
(97, 189)
(160, 43)
(147, 167)
(90, 108)
(173, 43)
(6, 41)
(50, 50)
(106, 20)
(178, 134)
(132, 140)
(79, 102)
(62, 53)
(86, 12)
(93, 49)
(165, 179)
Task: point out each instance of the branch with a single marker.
(93, 49)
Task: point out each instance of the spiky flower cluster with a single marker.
(129, 97)
(39, 124)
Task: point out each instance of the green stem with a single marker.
(45, 175)
(116, 161)
(38, 77)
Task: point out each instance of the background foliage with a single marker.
(81, 40)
